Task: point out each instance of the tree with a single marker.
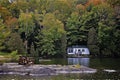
(4, 3)
(14, 42)
(82, 1)
(4, 32)
(52, 32)
(12, 24)
(104, 39)
(62, 8)
(100, 17)
(22, 5)
(116, 40)
(27, 26)
(114, 2)
(105, 27)
(72, 28)
(92, 42)
(48, 26)
(14, 10)
(76, 33)
(4, 13)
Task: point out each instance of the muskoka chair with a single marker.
(23, 60)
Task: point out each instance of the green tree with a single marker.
(4, 32)
(52, 32)
(105, 27)
(76, 34)
(92, 42)
(114, 2)
(14, 10)
(100, 17)
(27, 26)
(22, 5)
(4, 3)
(4, 13)
(104, 39)
(72, 28)
(63, 9)
(116, 40)
(14, 42)
(82, 1)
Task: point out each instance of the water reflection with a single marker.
(81, 61)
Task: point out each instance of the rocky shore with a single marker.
(39, 70)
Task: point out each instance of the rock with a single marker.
(45, 71)
(109, 70)
(14, 68)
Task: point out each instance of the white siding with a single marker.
(80, 51)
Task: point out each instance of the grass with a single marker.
(4, 54)
(4, 57)
(9, 57)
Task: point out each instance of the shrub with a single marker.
(14, 42)
(14, 55)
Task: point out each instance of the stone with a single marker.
(40, 70)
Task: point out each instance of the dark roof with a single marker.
(78, 46)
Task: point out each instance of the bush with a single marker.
(14, 42)
(14, 55)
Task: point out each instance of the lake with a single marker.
(108, 68)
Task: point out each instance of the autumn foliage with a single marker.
(48, 27)
(93, 2)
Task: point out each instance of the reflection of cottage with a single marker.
(81, 61)
(78, 50)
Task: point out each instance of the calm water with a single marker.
(100, 64)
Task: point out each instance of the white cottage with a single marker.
(78, 50)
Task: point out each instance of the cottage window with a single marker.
(78, 49)
(70, 50)
(83, 50)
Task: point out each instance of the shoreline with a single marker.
(41, 70)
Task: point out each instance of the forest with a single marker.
(48, 27)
